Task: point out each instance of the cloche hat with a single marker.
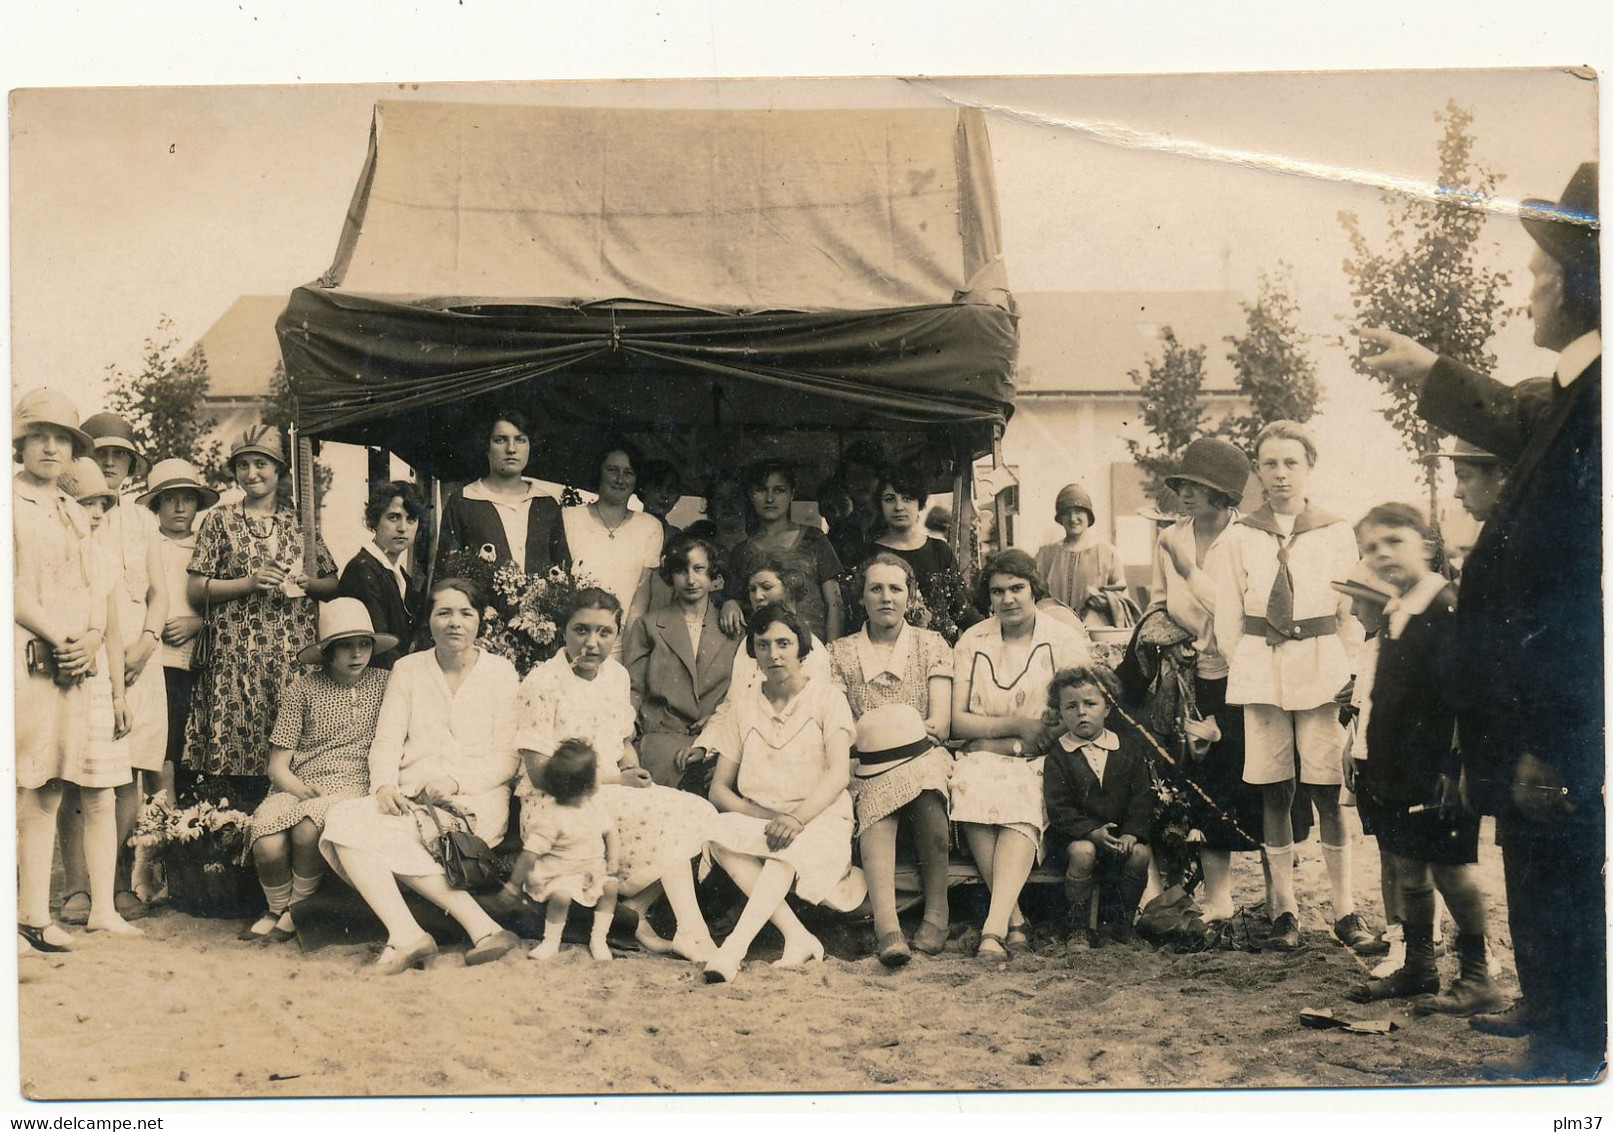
(259, 440)
(339, 619)
(1567, 229)
(47, 407)
(172, 475)
(111, 431)
(84, 482)
(1215, 464)
(1073, 495)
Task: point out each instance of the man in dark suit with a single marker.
(1530, 629)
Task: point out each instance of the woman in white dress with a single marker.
(445, 738)
(613, 547)
(783, 765)
(1001, 670)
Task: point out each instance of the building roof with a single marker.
(1088, 341)
(241, 348)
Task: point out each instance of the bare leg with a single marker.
(378, 885)
(70, 841)
(554, 923)
(934, 835)
(1011, 866)
(603, 914)
(272, 856)
(878, 846)
(101, 856)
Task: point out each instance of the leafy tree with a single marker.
(1427, 281)
(1275, 370)
(162, 402)
(1172, 409)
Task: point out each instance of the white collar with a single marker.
(399, 571)
(1577, 357)
(1413, 602)
(872, 664)
(478, 490)
(1107, 741)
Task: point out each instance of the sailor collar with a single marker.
(1310, 519)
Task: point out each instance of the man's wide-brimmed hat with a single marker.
(173, 475)
(1566, 229)
(259, 440)
(85, 482)
(1465, 452)
(111, 431)
(339, 619)
(1073, 495)
(1215, 464)
(48, 407)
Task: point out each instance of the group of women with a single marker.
(803, 738)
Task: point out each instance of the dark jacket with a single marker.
(470, 524)
(1530, 628)
(1077, 804)
(1410, 728)
(390, 612)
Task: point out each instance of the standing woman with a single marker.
(128, 536)
(378, 575)
(771, 485)
(1076, 568)
(61, 628)
(1002, 668)
(505, 510)
(614, 547)
(1210, 485)
(247, 574)
(889, 662)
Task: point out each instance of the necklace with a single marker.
(609, 530)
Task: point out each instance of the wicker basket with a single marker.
(202, 883)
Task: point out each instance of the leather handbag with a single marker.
(201, 655)
(466, 859)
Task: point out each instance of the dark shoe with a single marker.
(258, 929)
(1465, 998)
(893, 950)
(1513, 1022)
(930, 939)
(1018, 939)
(1285, 933)
(35, 938)
(1353, 933)
(285, 928)
(991, 947)
(75, 909)
(492, 947)
(130, 906)
(1408, 982)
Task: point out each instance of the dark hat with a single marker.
(1465, 452)
(1214, 464)
(1566, 230)
(1074, 497)
(111, 431)
(1365, 584)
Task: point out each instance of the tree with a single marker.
(163, 404)
(1172, 410)
(1275, 370)
(1428, 283)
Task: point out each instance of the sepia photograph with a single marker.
(808, 585)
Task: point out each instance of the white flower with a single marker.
(488, 553)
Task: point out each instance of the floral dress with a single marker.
(871, 680)
(990, 784)
(657, 828)
(328, 728)
(569, 842)
(254, 640)
(781, 752)
(811, 555)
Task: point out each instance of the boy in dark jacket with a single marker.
(1100, 802)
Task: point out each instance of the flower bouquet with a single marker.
(523, 622)
(203, 846)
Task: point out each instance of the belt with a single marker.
(1298, 631)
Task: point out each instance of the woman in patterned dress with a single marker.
(248, 576)
(581, 693)
(1001, 670)
(889, 661)
(320, 751)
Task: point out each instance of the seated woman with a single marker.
(445, 737)
(889, 662)
(378, 575)
(581, 693)
(678, 660)
(319, 755)
(1001, 671)
(783, 762)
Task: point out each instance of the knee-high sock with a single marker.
(100, 847)
(303, 887)
(278, 896)
(36, 846)
(1338, 873)
(1282, 880)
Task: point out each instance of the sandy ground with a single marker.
(189, 1012)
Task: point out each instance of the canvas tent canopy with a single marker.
(707, 283)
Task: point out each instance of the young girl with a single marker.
(1082, 565)
(318, 755)
(1288, 639)
(1100, 803)
(1412, 773)
(569, 852)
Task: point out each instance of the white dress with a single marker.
(782, 754)
(990, 787)
(425, 731)
(657, 828)
(614, 559)
(129, 532)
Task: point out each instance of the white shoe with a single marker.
(1396, 959)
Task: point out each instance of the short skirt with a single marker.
(581, 882)
(1001, 790)
(820, 855)
(106, 760)
(658, 829)
(881, 795)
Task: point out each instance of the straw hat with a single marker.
(339, 619)
(48, 407)
(1073, 495)
(1214, 464)
(1363, 583)
(173, 475)
(1465, 452)
(84, 482)
(111, 431)
(889, 736)
(259, 440)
